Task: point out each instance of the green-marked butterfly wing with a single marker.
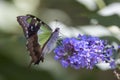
(40, 37)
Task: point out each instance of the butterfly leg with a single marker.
(42, 58)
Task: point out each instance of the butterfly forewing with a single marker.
(29, 25)
(44, 34)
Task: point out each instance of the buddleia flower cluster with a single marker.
(85, 51)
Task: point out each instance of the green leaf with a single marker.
(107, 20)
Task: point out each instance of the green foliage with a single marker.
(107, 20)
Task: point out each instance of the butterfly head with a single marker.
(57, 30)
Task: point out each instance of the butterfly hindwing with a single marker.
(30, 26)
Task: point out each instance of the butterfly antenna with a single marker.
(58, 25)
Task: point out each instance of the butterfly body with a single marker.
(30, 29)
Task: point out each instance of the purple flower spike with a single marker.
(84, 52)
(65, 63)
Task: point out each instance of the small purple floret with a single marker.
(84, 52)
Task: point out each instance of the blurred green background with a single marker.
(95, 17)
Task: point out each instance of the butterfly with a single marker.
(40, 37)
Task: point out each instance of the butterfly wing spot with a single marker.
(26, 28)
(27, 32)
(21, 17)
(31, 28)
(40, 22)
